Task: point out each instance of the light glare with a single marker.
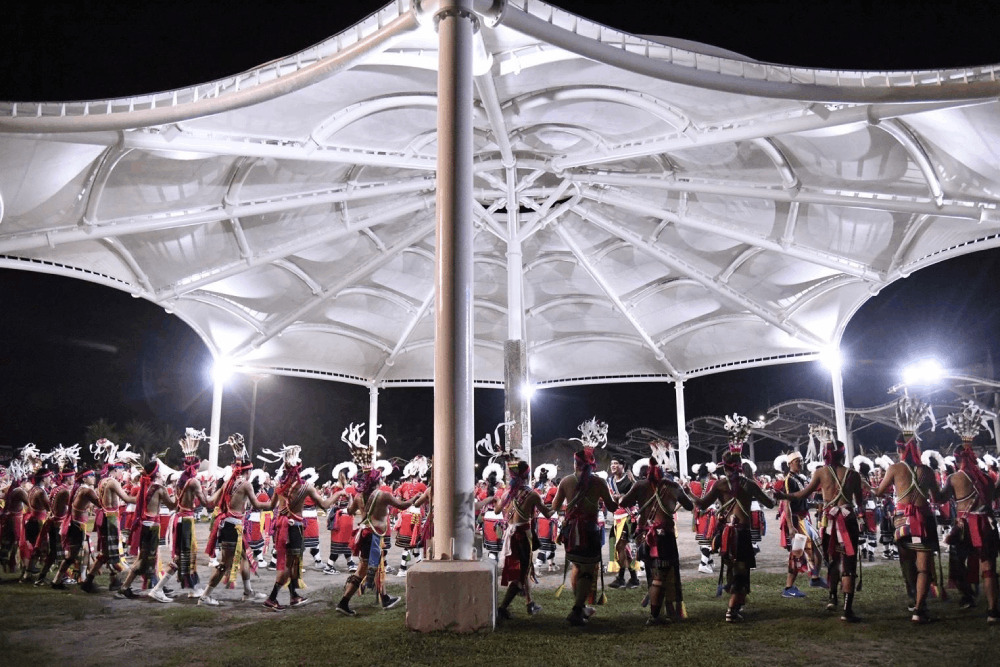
(923, 372)
(831, 359)
(222, 369)
(527, 390)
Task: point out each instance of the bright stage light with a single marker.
(831, 359)
(527, 391)
(923, 372)
(222, 369)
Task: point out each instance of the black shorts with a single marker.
(294, 543)
(229, 534)
(75, 535)
(31, 530)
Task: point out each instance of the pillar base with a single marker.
(453, 595)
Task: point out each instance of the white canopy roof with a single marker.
(645, 209)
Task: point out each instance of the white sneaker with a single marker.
(401, 573)
(214, 562)
(207, 601)
(253, 596)
(159, 596)
(706, 569)
(196, 592)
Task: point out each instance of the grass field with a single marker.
(777, 631)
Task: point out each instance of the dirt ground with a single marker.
(102, 629)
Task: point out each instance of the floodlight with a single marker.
(222, 369)
(831, 359)
(527, 390)
(923, 372)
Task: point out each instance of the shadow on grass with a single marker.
(777, 631)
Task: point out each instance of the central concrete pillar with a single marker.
(452, 591)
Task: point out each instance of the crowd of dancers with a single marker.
(622, 521)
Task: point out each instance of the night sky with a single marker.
(73, 352)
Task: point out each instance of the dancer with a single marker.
(622, 556)
(144, 537)
(48, 547)
(74, 528)
(705, 520)
(190, 494)
(373, 504)
(409, 521)
(340, 523)
(973, 540)
(798, 536)
(519, 506)
(38, 513)
(583, 491)
(293, 491)
(547, 528)
(915, 528)
(841, 489)
(111, 497)
(12, 542)
(232, 499)
(657, 497)
(735, 493)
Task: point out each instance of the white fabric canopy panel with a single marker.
(645, 209)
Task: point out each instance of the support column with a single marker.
(843, 434)
(373, 421)
(455, 593)
(682, 434)
(753, 451)
(216, 425)
(454, 439)
(517, 405)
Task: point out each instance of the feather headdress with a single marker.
(593, 433)
(353, 436)
(738, 429)
(190, 442)
(819, 435)
(911, 413)
(493, 448)
(967, 423)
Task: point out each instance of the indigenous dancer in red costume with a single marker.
(518, 506)
(868, 519)
(340, 523)
(12, 542)
(735, 493)
(973, 540)
(110, 496)
(841, 488)
(705, 520)
(409, 522)
(657, 497)
(227, 531)
(373, 504)
(915, 529)
(144, 540)
(547, 528)
(292, 491)
(48, 547)
(582, 492)
(74, 528)
(38, 514)
(189, 495)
